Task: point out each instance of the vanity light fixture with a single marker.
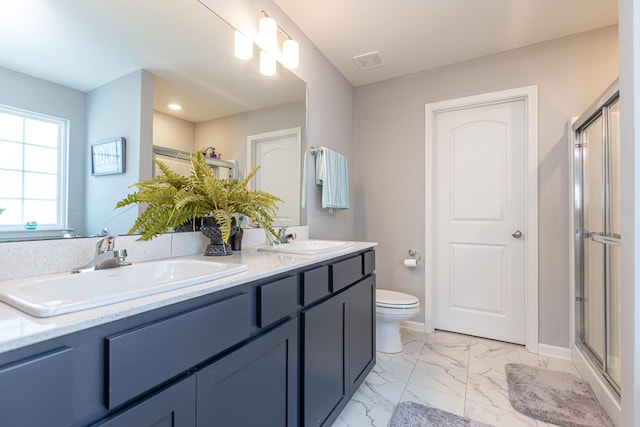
(268, 31)
(175, 107)
(290, 54)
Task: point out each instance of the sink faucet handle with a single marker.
(105, 244)
(282, 231)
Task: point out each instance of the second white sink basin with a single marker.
(66, 293)
(308, 247)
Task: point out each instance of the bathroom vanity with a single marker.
(286, 343)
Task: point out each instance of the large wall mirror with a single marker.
(106, 70)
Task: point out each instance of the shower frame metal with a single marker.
(599, 109)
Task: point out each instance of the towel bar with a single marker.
(313, 150)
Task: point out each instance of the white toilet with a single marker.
(391, 308)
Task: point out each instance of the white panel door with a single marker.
(480, 218)
(278, 154)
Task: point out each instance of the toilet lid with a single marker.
(386, 298)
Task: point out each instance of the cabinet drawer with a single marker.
(369, 262)
(174, 406)
(143, 358)
(277, 300)
(37, 391)
(315, 284)
(346, 272)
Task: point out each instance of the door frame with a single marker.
(530, 96)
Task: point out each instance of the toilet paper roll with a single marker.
(411, 262)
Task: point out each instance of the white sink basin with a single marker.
(67, 293)
(307, 247)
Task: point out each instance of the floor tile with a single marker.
(452, 355)
(363, 410)
(431, 397)
(547, 362)
(440, 378)
(453, 372)
(488, 391)
(394, 367)
(489, 367)
(482, 348)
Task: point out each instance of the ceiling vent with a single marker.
(370, 60)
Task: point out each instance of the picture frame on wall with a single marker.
(108, 157)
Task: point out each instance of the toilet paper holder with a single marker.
(414, 259)
(413, 253)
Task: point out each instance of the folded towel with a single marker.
(332, 174)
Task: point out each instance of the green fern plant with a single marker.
(173, 200)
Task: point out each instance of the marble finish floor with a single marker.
(457, 373)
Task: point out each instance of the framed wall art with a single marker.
(108, 157)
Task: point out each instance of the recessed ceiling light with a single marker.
(175, 107)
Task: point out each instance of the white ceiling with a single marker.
(417, 35)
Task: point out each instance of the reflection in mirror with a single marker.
(107, 69)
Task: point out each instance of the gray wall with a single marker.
(330, 109)
(173, 132)
(32, 94)
(121, 108)
(389, 174)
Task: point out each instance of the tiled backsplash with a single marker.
(36, 258)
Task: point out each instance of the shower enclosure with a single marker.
(596, 144)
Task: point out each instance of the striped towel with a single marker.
(332, 174)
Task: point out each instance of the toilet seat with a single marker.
(397, 300)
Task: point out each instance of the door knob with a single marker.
(517, 234)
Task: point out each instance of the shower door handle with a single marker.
(614, 240)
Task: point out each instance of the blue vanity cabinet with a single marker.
(285, 350)
(338, 342)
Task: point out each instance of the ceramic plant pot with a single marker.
(209, 227)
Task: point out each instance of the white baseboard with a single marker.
(554, 351)
(412, 325)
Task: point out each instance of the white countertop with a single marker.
(18, 329)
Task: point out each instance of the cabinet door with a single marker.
(324, 381)
(171, 407)
(37, 391)
(256, 385)
(362, 331)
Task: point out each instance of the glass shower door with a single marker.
(598, 238)
(594, 257)
(613, 344)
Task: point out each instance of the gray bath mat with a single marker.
(555, 397)
(412, 414)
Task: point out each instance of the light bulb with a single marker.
(290, 54)
(268, 32)
(267, 64)
(243, 47)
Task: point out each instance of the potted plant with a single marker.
(173, 200)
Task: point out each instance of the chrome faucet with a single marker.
(106, 256)
(285, 238)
